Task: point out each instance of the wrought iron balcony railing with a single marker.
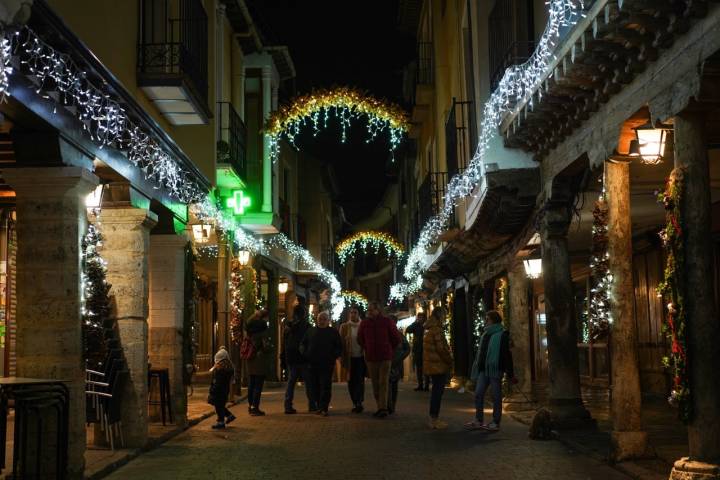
(173, 46)
(233, 147)
(425, 74)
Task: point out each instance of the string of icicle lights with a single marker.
(56, 76)
(344, 103)
(207, 211)
(517, 87)
(369, 239)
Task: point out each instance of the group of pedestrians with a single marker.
(372, 347)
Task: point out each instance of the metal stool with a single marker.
(163, 380)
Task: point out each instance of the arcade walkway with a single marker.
(347, 446)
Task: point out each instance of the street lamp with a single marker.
(244, 257)
(283, 286)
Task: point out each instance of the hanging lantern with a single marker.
(650, 143)
(533, 267)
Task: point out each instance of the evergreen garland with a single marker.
(96, 321)
(503, 306)
(479, 323)
(600, 314)
(237, 302)
(672, 291)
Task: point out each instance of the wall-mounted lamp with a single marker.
(244, 257)
(94, 198)
(283, 286)
(648, 145)
(533, 267)
(201, 233)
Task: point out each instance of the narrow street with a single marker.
(350, 446)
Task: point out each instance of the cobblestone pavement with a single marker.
(349, 446)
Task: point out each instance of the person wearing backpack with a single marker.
(222, 373)
(255, 351)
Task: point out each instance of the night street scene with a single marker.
(360, 240)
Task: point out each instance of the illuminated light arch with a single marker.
(345, 103)
(369, 239)
(352, 297)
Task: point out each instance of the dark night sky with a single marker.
(347, 42)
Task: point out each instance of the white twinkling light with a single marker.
(5, 69)
(57, 76)
(517, 87)
(208, 212)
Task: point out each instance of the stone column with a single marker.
(565, 400)
(51, 222)
(703, 327)
(125, 249)
(628, 439)
(167, 314)
(267, 202)
(518, 298)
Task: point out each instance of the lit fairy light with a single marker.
(207, 211)
(375, 241)
(103, 118)
(517, 87)
(355, 298)
(5, 69)
(346, 104)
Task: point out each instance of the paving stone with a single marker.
(350, 446)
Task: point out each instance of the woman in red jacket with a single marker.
(378, 337)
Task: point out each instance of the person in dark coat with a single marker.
(493, 360)
(417, 330)
(257, 366)
(396, 367)
(296, 363)
(222, 374)
(322, 346)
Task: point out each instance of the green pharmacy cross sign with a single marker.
(238, 202)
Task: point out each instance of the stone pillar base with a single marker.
(570, 414)
(686, 469)
(517, 402)
(627, 445)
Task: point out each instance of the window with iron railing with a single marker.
(510, 28)
(458, 140)
(425, 74)
(232, 148)
(174, 41)
(431, 195)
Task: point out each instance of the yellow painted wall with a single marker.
(110, 29)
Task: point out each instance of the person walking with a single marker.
(397, 369)
(222, 374)
(258, 342)
(493, 360)
(352, 361)
(322, 346)
(437, 363)
(378, 337)
(417, 330)
(295, 362)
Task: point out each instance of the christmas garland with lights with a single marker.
(600, 314)
(517, 86)
(355, 298)
(369, 240)
(503, 306)
(237, 302)
(345, 104)
(672, 291)
(96, 309)
(479, 323)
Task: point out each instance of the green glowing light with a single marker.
(238, 202)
